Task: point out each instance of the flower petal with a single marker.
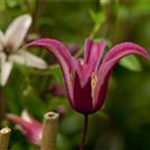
(28, 59)
(60, 51)
(93, 53)
(83, 71)
(6, 68)
(87, 49)
(30, 127)
(111, 59)
(92, 57)
(19, 121)
(27, 117)
(17, 31)
(64, 58)
(125, 48)
(82, 96)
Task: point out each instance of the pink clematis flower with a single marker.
(86, 81)
(30, 127)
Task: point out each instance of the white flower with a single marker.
(10, 42)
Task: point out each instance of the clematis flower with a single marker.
(10, 42)
(30, 127)
(86, 80)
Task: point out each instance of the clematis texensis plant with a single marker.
(86, 80)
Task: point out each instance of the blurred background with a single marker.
(124, 121)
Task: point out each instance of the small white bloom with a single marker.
(6, 68)
(17, 31)
(10, 42)
(28, 59)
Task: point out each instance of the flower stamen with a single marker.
(72, 76)
(93, 83)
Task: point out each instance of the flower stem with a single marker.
(84, 132)
(2, 105)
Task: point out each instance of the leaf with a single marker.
(102, 114)
(131, 63)
(104, 2)
(98, 40)
(98, 17)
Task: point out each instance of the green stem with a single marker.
(84, 132)
(91, 36)
(2, 106)
(94, 31)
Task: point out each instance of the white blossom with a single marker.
(10, 43)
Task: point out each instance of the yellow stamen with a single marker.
(72, 76)
(93, 83)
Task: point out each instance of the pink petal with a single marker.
(19, 121)
(111, 59)
(25, 116)
(29, 126)
(82, 96)
(83, 72)
(125, 47)
(93, 53)
(56, 47)
(92, 56)
(63, 56)
(87, 49)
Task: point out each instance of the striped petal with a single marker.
(93, 53)
(111, 59)
(64, 58)
(92, 57)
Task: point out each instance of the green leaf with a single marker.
(131, 63)
(97, 17)
(105, 2)
(2, 5)
(102, 114)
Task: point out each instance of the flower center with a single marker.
(93, 83)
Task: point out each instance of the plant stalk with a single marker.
(4, 138)
(50, 127)
(84, 132)
(2, 106)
